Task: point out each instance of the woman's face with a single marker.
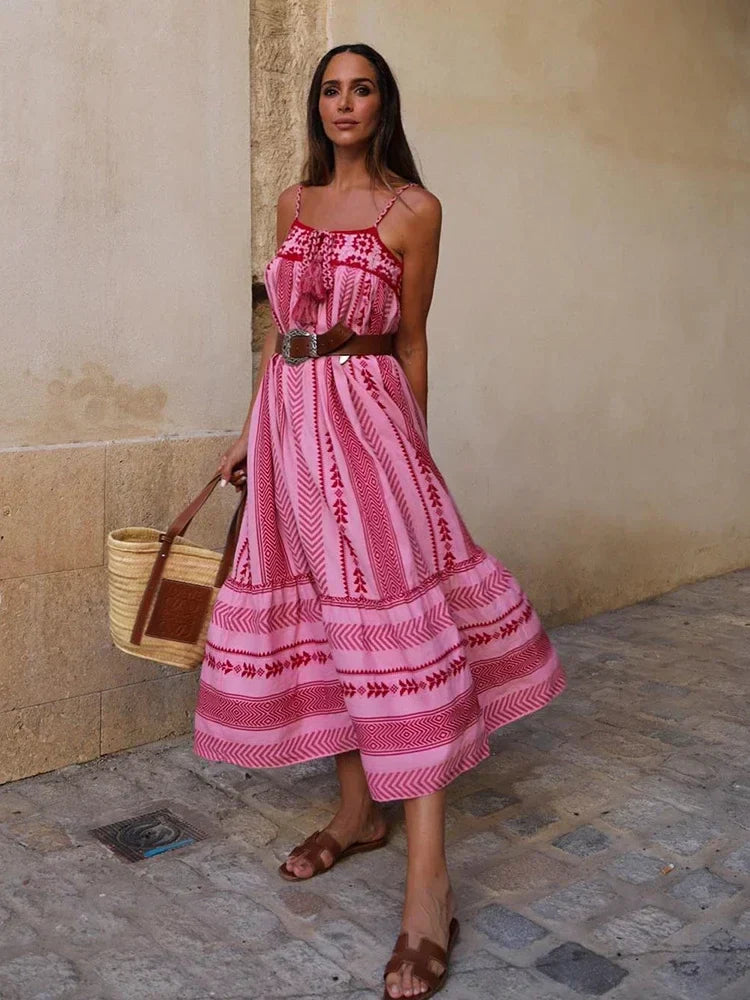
(349, 101)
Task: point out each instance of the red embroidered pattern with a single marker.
(482, 638)
(270, 669)
(378, 689)
(361, 249)
(269, 711)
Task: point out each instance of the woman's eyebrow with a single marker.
(359, 79)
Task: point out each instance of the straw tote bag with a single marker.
(162, 589)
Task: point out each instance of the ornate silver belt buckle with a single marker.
(295, 334)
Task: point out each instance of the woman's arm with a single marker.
(420, 241)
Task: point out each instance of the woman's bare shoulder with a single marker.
(288, 197)
(423, 204)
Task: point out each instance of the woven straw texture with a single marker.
(130, 557)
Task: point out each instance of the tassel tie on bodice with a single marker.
(316, 280)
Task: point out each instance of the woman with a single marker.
(360, 618)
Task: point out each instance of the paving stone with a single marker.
(251, 827)
(144, 976)
(37, 834)
(621, 744)
(674, 737)
(475, 850)
(691, 766)
(638, 931)
(506, 927)
(580, 969)
(238, 915)
(643, 815)
(703, 971)
(637, 868)
(291, 970)
(499, 982)
(367, 904)
(527, 824)
(13, 804)
(583, 841)
(280, 798)
(529, 871)
(227, 866)
(739, 860)
(703, 888)
(484, 802)
(301, 903)
(14, 933)
(349, 945)
(576, 902)
(38, 977)
(687, 836)
(174, 877)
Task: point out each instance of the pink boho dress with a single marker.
(359, 612)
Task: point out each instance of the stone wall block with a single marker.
(55, 642)
(149, 482)
(45, 737)
(51, 509)
(151, 710)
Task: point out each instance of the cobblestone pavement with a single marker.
(602, 850)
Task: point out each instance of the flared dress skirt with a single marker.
(359, 613)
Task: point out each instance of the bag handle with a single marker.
(178, 527)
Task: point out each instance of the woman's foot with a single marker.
(428, 910)
(347, 827)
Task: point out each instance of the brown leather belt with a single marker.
(297, 345)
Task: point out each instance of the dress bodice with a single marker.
(319, 277)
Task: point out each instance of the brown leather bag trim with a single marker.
(178, 527)
(179, 611)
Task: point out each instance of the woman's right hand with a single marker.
(233, 463)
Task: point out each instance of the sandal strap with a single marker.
(329, 843)
(419, 957)
(312, 848)
(419, 962)
(431, 950)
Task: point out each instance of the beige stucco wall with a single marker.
(125, 249)
(589, 355)
(125, 218)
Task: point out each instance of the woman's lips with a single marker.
(345, 125)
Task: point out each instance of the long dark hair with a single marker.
(388, 152)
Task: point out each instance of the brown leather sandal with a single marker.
(320, 841)
(419, 958)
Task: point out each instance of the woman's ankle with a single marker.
(359, 812)
(431, 876)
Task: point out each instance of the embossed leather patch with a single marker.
(179, 611)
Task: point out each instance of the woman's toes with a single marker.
(407, 982)
(395, 985)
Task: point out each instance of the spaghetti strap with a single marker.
(393, 199)
(298, 201)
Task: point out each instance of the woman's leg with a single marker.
(358, 817)
(428, 903)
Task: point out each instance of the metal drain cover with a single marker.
(145, 836)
